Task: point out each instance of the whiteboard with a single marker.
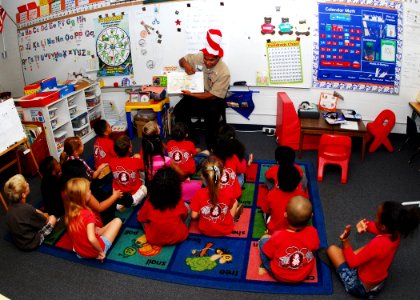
(11, 129)
(65, 46)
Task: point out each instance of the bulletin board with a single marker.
(359, 46)
(159, 34)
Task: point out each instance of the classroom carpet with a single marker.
(230, 263)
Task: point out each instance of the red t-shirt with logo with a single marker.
(182, 154)
(214, 220)
(275, 204)
(125, 171)
(164, 227)
(103, 150)
(231, 168)
(292, 253)
(79, 237)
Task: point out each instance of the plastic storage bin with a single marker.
(40, 99)
(81, 131)
(66, 89)
(80, 121)
(54, 122)
(52, 112)
(59, 138)
(31, 89)
(73, 110)
(48, 83)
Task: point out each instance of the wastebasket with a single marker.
(142, 117)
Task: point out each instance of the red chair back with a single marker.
(334, 146)
(386, 119)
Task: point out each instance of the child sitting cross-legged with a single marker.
(125, 170)
(274, 206)
(288, 254)
(50, 169)
(89, 240)
(213, 206)
(184, 152)
(154, 151)
(103, 148)
(284, 155)
(164, 215)
(28, 226)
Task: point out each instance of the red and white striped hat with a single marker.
(214, 40)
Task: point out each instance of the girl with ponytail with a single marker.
(212, 206)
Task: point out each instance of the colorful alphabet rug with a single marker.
(231, 263)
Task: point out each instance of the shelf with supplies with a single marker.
(68, 116)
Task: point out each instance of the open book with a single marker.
(179, 81)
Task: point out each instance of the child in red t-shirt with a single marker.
(228, 132)
(274, 206)
(288, 254)
(103, 148)
(125, 170)
(164, 216)
(284, 155)
(224, 151)
(89, 240)
(153, 152)
(213, 206)
(364, 271)
(183, 151)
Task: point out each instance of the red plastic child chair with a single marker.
(334, 149)
(379, 130)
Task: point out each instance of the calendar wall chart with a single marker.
(284, 62)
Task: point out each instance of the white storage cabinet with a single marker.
(69, 116)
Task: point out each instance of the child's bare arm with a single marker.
(44, 214)
(94, 241)
(97, 206)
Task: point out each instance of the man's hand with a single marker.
(189, 69)
(186, 93)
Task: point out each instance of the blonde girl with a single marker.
(212, 206)
(89, 240)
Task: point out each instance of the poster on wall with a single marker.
(359, 46)
(113, 45)
(284, 62)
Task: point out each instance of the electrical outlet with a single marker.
(268, 130)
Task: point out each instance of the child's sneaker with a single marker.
(139, 195)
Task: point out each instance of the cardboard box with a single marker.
(57, 6)
(69, 4)
(44, 10)
(22, 15)
(33, 11)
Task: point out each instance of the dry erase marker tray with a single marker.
(40, 99)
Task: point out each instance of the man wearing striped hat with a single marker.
(209, 104)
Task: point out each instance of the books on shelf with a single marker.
(333, 118)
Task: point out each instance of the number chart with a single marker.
(284, 62)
